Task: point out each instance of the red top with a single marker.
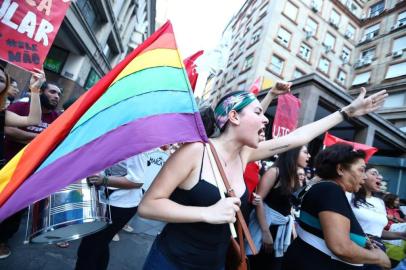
(392, 213)
(251, 178)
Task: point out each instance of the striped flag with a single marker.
(144, 102)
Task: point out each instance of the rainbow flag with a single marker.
(144, 102)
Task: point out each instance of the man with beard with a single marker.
(17, 138)
(12, 91)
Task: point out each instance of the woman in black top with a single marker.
(241, 120)
(275, 187)
(329, 235)
(8, 118)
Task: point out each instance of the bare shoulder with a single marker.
(188, 153)
(271, 172)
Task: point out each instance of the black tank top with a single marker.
(278, 201)
(197, 245)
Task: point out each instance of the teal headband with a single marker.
(237, 101)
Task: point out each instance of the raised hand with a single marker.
(37, 79)
(281, 88)
(223, 211)
(362, 105)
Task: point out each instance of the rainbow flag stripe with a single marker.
(145, 102)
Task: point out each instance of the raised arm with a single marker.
(182, 170)
(34, 116)
(280, 88)
(305, 134)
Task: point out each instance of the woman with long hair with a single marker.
(185, 193)
(276, 187)
(392, 210)
(8, 118)
(371, 213)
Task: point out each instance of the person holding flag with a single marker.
(185, 194)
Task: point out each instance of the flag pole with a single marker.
(220, 184)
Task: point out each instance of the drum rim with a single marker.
(104, 220)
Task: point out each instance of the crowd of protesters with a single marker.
(332, 216)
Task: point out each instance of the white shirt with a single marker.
(126, 198)
(156, 159)
(372, 218)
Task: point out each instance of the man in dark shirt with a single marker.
(17, 138)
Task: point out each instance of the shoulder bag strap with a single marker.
(231, 193)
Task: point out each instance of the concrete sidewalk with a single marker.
(128, 253)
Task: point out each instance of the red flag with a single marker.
(256, 86)
(28, 29)
(369, 150)
(190, 67)
(286, 116)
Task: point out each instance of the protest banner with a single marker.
(27, 30)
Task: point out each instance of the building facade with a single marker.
(328, 49)
(94, 36)
(351, 43)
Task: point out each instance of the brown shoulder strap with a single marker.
(230, 192)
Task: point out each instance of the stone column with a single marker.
(365, 135)
(310, 101)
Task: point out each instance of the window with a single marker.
(277, 64)
(329, 41)
(324, 65)
(361, 78)
(284, 37)
(315, 5)
(298, 73)
(399, 44)
(91, 79)
(350, 32)
(234, 72)
(396, 70)
(368, 54)
(256, 35)
(290, 11)
(88, 12)
(394, 100)
(376, 9)
(305, 52)
(402, 17)
(311, 26)
(248, 62)
(346, 54)
(371, 32)
(242, 85)
(341, 75)
(335, 18)
(241, 49)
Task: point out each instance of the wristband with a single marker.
(344, 114)
(105, 180)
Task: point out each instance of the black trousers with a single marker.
(10, 226)
(93, 252)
